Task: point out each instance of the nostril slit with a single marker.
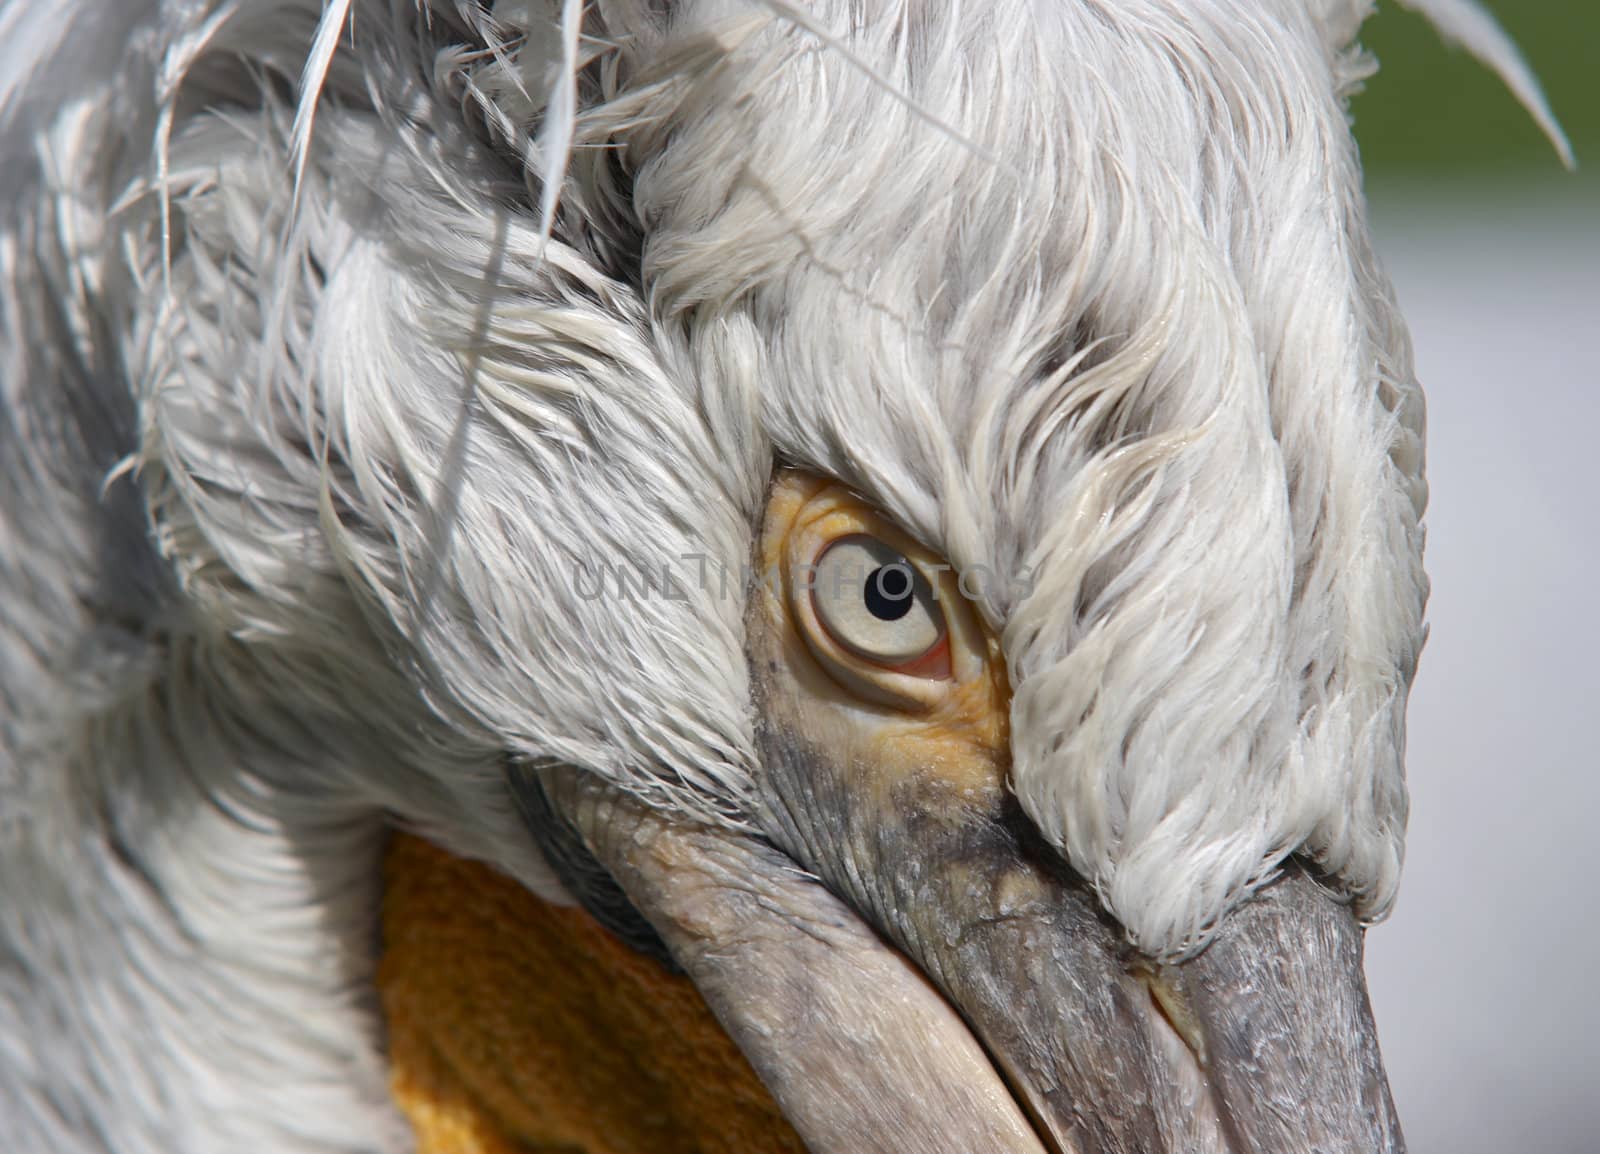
(1180, 1039)
(1173, 1009)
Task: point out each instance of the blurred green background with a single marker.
(1433, 113)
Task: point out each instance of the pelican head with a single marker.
(906, 515)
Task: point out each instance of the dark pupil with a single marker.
(889, 592)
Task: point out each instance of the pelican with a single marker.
(698, 575)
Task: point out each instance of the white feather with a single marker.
(1472, 26)
(323, 46)
(555, 128)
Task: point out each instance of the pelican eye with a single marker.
(877, 610)
(875, 603)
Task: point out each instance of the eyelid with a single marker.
(934, 665)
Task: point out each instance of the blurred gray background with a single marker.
(1481, 980)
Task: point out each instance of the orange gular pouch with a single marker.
(518, 1026)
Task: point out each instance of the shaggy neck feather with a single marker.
(212, 988)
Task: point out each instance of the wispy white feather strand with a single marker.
(1472, 26)
(318, 61)
(801, 18)
(560, 114)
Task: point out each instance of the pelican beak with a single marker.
(1005, 1011)
(1262, 1043)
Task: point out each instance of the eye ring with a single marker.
(878, 606)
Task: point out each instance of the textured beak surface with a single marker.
(858, 1049)
(1040, 1029)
